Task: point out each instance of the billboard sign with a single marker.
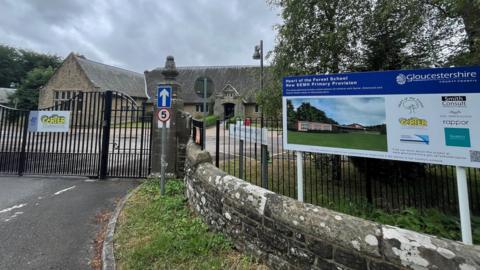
(49, 121)
(426, 115)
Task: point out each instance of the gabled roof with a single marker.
(108, 77)
(244, 79)
(4, 93)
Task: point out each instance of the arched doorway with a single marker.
(229, 110)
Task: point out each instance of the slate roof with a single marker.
(245, 79)
(113, 78)
(4, 92)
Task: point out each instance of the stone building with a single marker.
(234, 89)
(79, 74)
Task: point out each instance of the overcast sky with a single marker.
(138, 35)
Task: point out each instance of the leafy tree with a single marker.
(31, 60)
(401, 34)
(26, 96)
(328, 36)
(464, 17)
(307, 112)
(317, 36)
(10, 60)
(16, 63)
(291, 115)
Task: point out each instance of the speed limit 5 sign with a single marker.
(163, 115)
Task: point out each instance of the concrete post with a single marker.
(177, 134)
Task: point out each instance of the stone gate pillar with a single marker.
(177, 134)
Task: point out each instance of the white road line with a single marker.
(14, 216)
(63, 190)
(12, 208)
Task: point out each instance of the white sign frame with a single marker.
(49, 121)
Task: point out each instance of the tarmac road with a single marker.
(49, 222)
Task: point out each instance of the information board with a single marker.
(425, 115)
(49, 121)
(248, 133)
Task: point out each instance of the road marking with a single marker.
(13, 216)
(63, 190)
(12, 208)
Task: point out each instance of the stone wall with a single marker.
(287, 234)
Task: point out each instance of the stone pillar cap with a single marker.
(170, 70)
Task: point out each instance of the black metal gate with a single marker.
(109, 135)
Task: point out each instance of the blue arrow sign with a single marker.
(164, 97)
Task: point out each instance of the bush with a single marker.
(211, 120)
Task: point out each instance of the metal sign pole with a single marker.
(204, 113)
(164, 163)
(464, 205)
(299, 176)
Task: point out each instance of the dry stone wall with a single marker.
(288, 234)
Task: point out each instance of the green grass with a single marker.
(364, 141)
(160, 232)
(430, 221)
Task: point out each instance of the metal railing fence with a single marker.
(332, 179)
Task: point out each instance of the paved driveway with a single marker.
(49, 222)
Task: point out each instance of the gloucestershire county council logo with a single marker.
(411, 104)
(401, 79)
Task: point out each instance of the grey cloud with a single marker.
(138, 35)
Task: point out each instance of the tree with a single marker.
(307, 112)
(26, 96)
(291, 116)
(464, 15)
(399, 34)
(16, 63)
(10, 60)
(317, 36)
(327, 36)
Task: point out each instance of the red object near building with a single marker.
(247, 122)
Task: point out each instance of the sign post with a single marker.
(426, 116)
(205, 113)
(299, 176)
(463, 205)
(164, 103)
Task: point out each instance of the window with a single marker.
(256, 108)
(199, 107)
(63, 100)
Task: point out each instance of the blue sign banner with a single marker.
(419, 81)
(164, 96)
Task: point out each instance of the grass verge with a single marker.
(160, 232)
